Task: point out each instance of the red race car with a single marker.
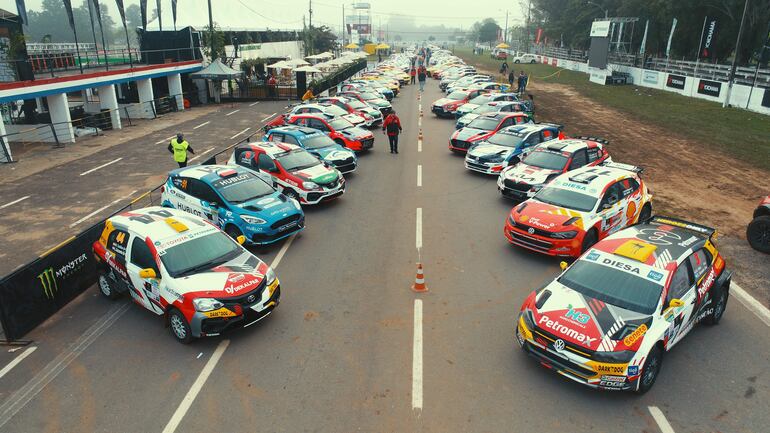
(371, 115)
(758, 232)
(484, 127)
(446, 107)
(340, 130)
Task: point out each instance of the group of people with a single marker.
(420, 73)
(521, 81)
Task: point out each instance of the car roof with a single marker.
(569, 145)
(295, 130)
(500, 115)
(525, 129)
(272, 148)
(590, 180)
(207, 173)
(149, 222)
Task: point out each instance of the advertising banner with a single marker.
(707, 38)
(650, 77)
(676, 81)
(766, 98)
(600, 29)
(710, 88)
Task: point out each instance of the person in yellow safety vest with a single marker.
(308, 95)
(179, 148)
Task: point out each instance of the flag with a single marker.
(173, 12)
(22, 8)
(122, 12)
(707, 38)
(68, 8)
(160, 15)
(644, 38)
(670, 37)
(538, 34)
(143, 11)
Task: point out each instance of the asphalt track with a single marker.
(342, 351)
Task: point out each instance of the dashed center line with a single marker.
(663, 424)
(101, 166)
(419, 175)
(418, 231)
(166, 139)
(419, 145)
(201, 154)
(417, 356)
(14, 202)
(114, 202)
(201, 125)
(232, 112)
(268, 117)
(17, 360)
(240, 133)
(253, 104)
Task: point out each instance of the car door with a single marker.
(632, 199)
(181, 199)
(612, 210)
(205, 200)
(529, 144)
(146, 290)
(300, 121)
(117, 246)
(318, 124)
(680, 315)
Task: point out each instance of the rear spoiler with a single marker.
(676, 222)
(555, 125)
(596, 139)
(627, 167)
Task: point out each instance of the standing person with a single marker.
(520, 89)
(392, 127)
(308, 95)
(271, 85)
(511, 79)
(179, 147)
(504, 68)
(412, 73)
(421, 75)
(531, 103)
(526, 81)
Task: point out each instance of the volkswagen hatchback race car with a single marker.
(484, 127)
(371, 115)
(325, 111)
(508, 146)
(577, 209)
(178, 266)
(545, 162)
(369, 98)
(235, 200)
(318, 144)
(339, 130)
(483, 99)
(494, 107)
(299, 174)
(606, 320)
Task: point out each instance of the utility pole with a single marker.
(505, 35)
(211, 34)
(310, 27)
(735, 57)
(344, 30)
(529, 18)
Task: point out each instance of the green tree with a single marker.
(215, 41)
(431, 38)
(486, 30)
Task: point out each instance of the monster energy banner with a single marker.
(36, 291)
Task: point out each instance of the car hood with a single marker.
(548, 217)
(356, 132)
(589, 323)
(378, 102)
(269, 206)
(354, 118)
(528, 174)
(235, 278)
(318, 173)
(467, 108)
(443, 101)
(372, 111)
(488, 149)
(332, 153)
(471, 134)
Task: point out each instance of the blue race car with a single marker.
(318, 144)
(508, 146)
(234, 199)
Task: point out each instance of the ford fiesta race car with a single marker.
(178, 266)
(317, 144)
(507, 147)
(579, 208)
(339, 130)
(607, 320)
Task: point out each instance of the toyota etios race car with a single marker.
(185, 269)
(607, 320)
(579, 208)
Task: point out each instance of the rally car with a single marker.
(324, 110)
(544, 163)
(494, 107)
(607, 320)
(465, 82)
(484, 127)
(446, 107)
(483, 99)
(758, 232)
(369, 98)
(234, 200)
(579, 208)
(339, 130)
(371, 115)
(299, 174)
(318, 144)
(183, 268)
(507, 146)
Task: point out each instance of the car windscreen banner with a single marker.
(676, 81)
(36, 291)
(710, 88)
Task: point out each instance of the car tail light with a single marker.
(162, 189)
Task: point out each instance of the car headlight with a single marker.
(536, 188)
(296, 203)
(496, 158)
(309, 185)
(613, 357)
(511, 221)
(207, 304)
(564, 235)
(270, 276)
(529, 319)
(252, 219)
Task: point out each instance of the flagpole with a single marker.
(731, 77)
(700, 45)
(101, 32)
(93, 31)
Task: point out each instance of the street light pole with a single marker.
(211, 34)
(505, 35)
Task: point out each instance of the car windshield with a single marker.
(335, 111)
(457, 96)
(547, 160)
(242, 188)
(297, 159)
(481, 99)
(483, 109)
(613, 286)
(199, 254)
(355, 103)
(566, 199)
(484, 123)
(340, 124)
(368, 96)
(508, 140)
(317, 141)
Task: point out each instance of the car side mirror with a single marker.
(213, 205)
(606, 206)
(563, 265)
(675, 303)
(148, 273)
(274, 169)
(241, 239)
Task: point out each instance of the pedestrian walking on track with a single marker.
(179, 148)
(392, 127)
(421, 74)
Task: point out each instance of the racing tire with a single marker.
(290, 193)
(589, 240)
(233, 231)
(720, 304)
(645, 214)
(650, 370)
(533, 62)
(180, 329)
(516, 61)
(106, 283)
(758, 233)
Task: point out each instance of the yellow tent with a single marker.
(502, 45)
(351, 46)
(383, 46)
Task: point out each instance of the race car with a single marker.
(297, 173)
(507, 146)
(235, 200)
(318, 144)
(483, 127)
(327, 111)
(340, 130)
(365, 86)
(544, 163)
(369, 98)
(371, 115)
(758, 231)
(493, 107)
(483, 99)
(607, 320)
(187, 270)
(445, 107)
(577, 209)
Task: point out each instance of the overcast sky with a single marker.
(288, 14)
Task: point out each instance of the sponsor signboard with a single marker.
(710, 88)
(766, 98)
(650, 77)
(598, 76)
(600, 29)
(676, 81)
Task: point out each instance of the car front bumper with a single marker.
(315, 197)
(244, 313)
(536, 242)
(484, 167)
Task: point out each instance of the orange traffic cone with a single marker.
(419, 281)
(419, 134)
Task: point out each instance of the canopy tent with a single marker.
(297, 62)
(321, 56)
(382, 46)
(216, 70)
(283, 64)
(307, 69)
(502, 45)
(351, 46)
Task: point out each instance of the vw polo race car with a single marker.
(446, 107)
(607, 320)
(493, 107)
(371, 115)
(369, 98)
(483, 99)
(758, 232)
(508, 146)
(179, 266)
(339, 130)
(484, 127)
(235, 200)
(318, 144)
(544, 163)
(579, 208)
(299, 174)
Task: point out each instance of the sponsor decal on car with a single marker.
(566, 330)
(222, 312)
(635, 336)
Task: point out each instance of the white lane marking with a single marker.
(750, 303)
(419, 106)
(419, 122)
(663, 424)
(173, 423)
(201, 125)
(419, 145)
(14, 202)
(253, 104)
(24, 395)
(201, 154)
(114, 202)
(232, 112)
(101, 166)
(417, 356)
(282, 251)
(418, 232)
(17, 360)
(240, 133)
(419, 175)
(268, 117)
(165, 139)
